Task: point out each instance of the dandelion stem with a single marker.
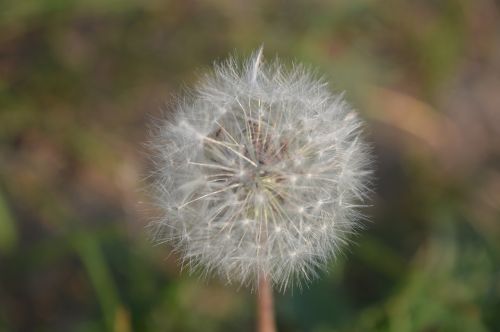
(265, 309)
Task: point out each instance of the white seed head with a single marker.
(260, 172)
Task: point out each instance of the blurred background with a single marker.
(81, 80)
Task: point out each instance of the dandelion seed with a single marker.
(260, 173)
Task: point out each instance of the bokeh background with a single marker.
(81, 80)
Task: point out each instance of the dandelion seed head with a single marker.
(260, 172)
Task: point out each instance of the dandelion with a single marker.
(260, 174)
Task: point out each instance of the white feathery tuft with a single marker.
(260, 172)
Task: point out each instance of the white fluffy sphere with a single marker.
(260, 172)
